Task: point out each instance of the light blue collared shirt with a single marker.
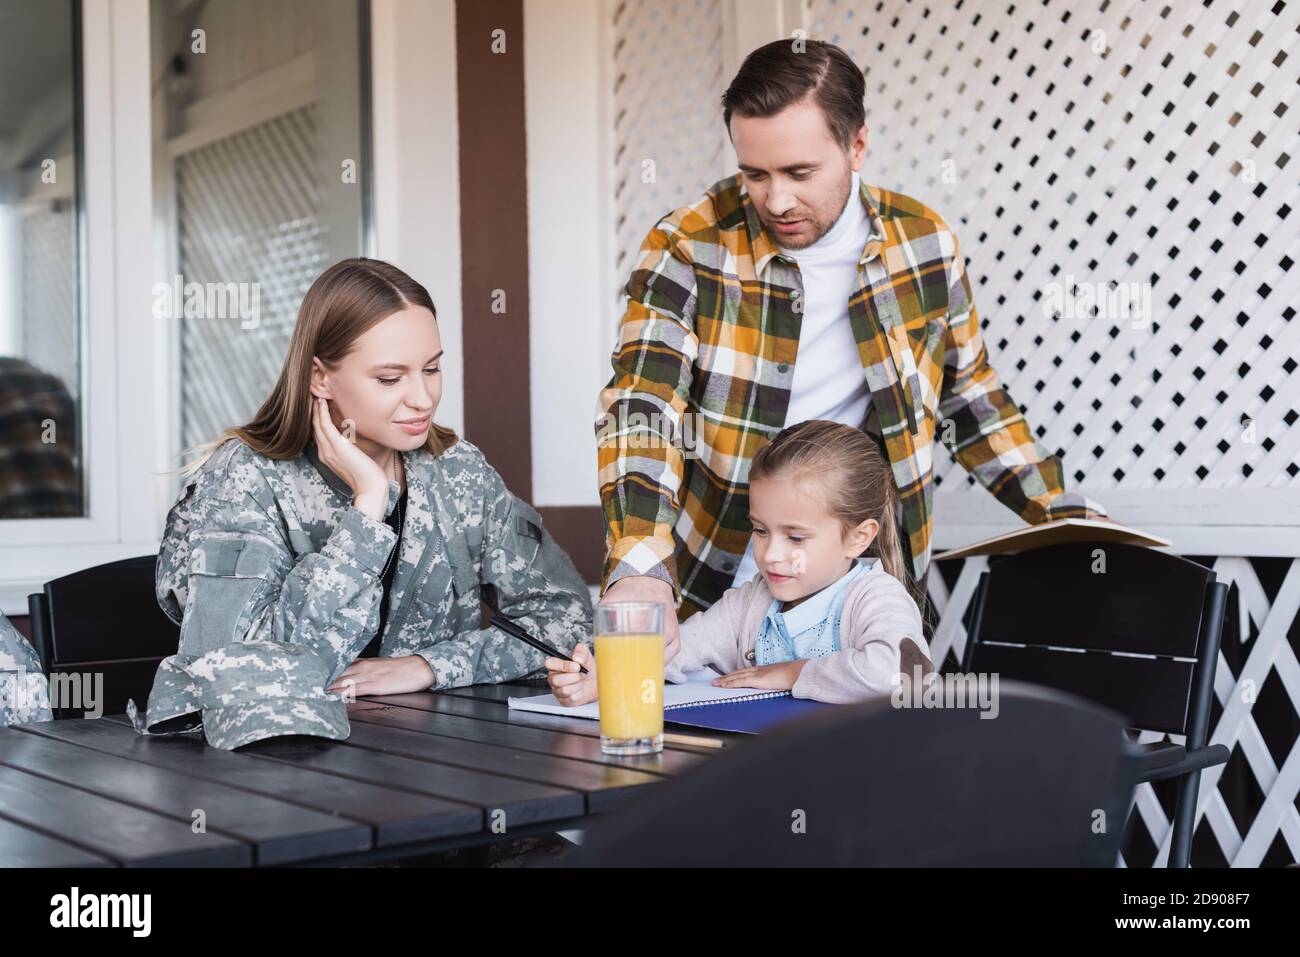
(810, 629)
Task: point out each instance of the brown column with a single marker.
(494, 256)
(494, 234)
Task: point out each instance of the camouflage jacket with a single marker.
(276, 580)
(24, 692)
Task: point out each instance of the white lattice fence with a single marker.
(1114, 143)
(1077, 149)
(1081, 151)
(668, 139)
(1270, 659)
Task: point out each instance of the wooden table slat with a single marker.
(501, 712)
(493, 723)
(498, 695)
(410, 732)
(396, 816)
(499, 692)
(279, 832)
(20, 846)
(521, 802)
(125, 834)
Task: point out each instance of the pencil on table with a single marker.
(691, 739)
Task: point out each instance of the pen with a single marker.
(510, 628)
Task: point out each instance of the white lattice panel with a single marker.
(1117, 143)
(1270, 668)
(1162, 159)
(248, 210)
(668, 83)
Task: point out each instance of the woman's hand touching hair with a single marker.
(367, 480)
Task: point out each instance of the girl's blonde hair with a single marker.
(849, 474)
(344, 302)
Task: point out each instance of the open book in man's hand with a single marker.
(1059, 532)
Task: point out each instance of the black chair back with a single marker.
(1047, 782)
(1133, 629)
(101, 624)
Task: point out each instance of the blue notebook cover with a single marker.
(749, 716)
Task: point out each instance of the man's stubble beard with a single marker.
(820, 228)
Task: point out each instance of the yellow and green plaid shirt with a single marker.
(702, 376)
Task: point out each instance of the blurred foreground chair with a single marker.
(1046, 782)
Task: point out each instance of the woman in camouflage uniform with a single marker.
(339, 543)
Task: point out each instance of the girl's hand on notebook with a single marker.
(779, 677)
(569, 685)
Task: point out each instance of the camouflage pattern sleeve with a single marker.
(527, 577)
(24, 691)
(262, 634)
(243, 584)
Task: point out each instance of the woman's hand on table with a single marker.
(371, 676)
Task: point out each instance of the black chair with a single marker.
(879, 785)
(1140, 637)
(101, 621)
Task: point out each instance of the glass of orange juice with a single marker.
(630, 676)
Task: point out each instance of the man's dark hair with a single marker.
(786, 71)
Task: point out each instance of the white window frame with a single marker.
(122, 447)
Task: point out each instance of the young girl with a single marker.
(819, 619)
(339, 543)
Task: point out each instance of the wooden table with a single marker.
(419, 773)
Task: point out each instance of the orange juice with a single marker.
(630, 685)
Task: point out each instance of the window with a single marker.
(42, 466)
(262, 166)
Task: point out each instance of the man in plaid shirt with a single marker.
(795, 256)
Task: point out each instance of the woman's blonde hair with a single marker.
(343, 303)
(849, 474)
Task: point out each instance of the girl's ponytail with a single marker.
(888, 547)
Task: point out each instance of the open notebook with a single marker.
(692, 703)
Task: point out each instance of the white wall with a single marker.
(571, 301)
(569, 77)
(417, 169)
